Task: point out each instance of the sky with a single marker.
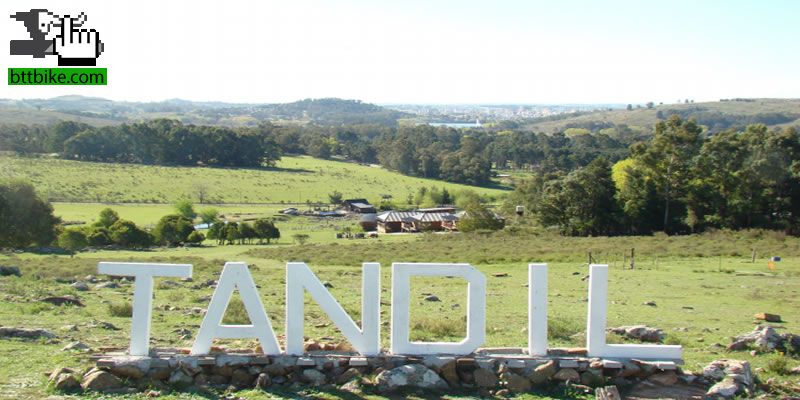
(427, 51)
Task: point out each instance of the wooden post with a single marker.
(753, 256)
(633, 254)
(590, 259)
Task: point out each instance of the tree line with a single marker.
(680, 181)
(419, 150)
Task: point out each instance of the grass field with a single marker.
(706, 289)
(294, 180)
(644, 118)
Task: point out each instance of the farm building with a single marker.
(360, 206)
(415, 221)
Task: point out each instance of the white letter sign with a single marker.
(143, 295)
(537, 309)
(476, 308)
(596, 332)
(236, 275)
(365, 340)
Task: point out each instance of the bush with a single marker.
(778, 364)
(122, 310)
(172, 230)
(196, 237)
(126, 233)
(25, 219)
(72, 240)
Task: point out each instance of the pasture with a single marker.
(705, 289)
(294, 180)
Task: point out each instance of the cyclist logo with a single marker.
(64, 36)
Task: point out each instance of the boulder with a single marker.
(76, 346)
(347, 376)
(764, 337)
(10, 271)
(62, 300)
(567, 374)
(543, 373)
(727, 388)
(412, 375)
(241, 378)
(65, 382)
(313, 377)
(80, 286)
(263, 381)
(25, 333)
(101, 381)
(517, 383)
(432, 298)
(107, 285)
(180, 379)
(768, 317)
(640, 332)
(484, 378)
(664, 378)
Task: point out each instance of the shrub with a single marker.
(196, 237)
(122, 310)
(172, 230)
(778, 364)
(72, 240)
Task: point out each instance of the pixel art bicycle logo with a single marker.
(64, 36)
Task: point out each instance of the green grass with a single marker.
(644, 119)
(697, 305)
(295, 180)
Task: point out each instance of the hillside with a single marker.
(716, 116)
(296, 179)
(99, 111)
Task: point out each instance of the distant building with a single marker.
(360, 206)
(416, 221)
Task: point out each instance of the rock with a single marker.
(76, 346)
(25, 333)
(640, 332)
(500, 275)
(567, 374)
(448, 371)
(263, 381)
(276, 369)
(107, 285)
(101, 381)
(65, 382)
(593, 377)
(313, 377)
(104, 325)
(412, 375)
(353, 386)
(484, 378)
(9, 271)
(61, 300)
(664, 378)
(180, 379)
(327, 284)
(649, 303)
(726, 388)
(431, 298)
(516, 383)
(543, 373)
(69, 328)
(764, 337)
(80, 286)
(131, 366)
(768, 317)
(241, 378)
(347, 376)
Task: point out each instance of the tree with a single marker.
(246, 233)
(668, 159)
(300, 238)
(185, 209)
(478, 217)
(25, 219)
(650, 105)
(125, 233)
(172, 230)
(98, 236)
(107, 218)
(629, 107)
(217, 231)
(265, 229)
(202, 192)
(209, 216)
(195, 238)
(583, 202)
(72, 240)
(232, 232)
(335, 197)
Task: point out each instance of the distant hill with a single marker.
(99, 111)
(716, 116)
